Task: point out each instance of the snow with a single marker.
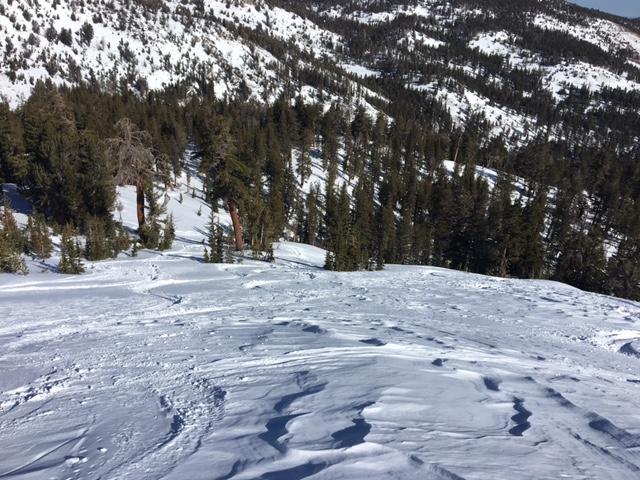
(441, 13)
(359, 70)
(161, 48)
(413, 38)
(582, 74)
(557, 77)
(463, 103)
(605, 34)
(161, 366)
(503, 44)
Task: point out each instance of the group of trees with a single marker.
(35, 240)
(386, 197)
(67, 160)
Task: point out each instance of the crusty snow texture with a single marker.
(160, 366)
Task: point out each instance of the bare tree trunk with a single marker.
(237, 226)
(140, 204)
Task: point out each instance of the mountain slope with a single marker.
(470, 57)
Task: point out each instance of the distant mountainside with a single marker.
(522, 68)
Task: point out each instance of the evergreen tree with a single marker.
(11, 242)
(532, 260)
(623, 269)
(98, 245)
(12, 161)
(51, 146)
(168, 234)
(11, 231)
(151, 233)
(312, 220)
(304, 159)
(364, 227)
(136, 165)
(95, 171)
(215, 241)
(37, 236)
(70, 257)
(343, 256)
(121, 241)
(227, 176)
(582, 262)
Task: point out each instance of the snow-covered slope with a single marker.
(160, 366)
(258, 47)
(149, 48)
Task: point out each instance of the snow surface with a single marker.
(161, 366)
(359, 70)
(413, 38)
(464, 103)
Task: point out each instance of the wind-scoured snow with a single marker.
(161, 366)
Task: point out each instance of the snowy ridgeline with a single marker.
(161, 366)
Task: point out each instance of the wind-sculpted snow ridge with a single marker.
(161, 366)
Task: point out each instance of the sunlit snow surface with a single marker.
(163, 367)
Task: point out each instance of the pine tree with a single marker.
(98, 245)
(330, 261)
(51, 177)
(498, 245)
(623, 269)
(304, 160)
(10, 260)
(582, 263)
(11, 231)
(342, 243)
(70, 258)
(168, 234)
(137, 163)
(440, 218)
(37, 236)
(312, 220)
(12, 158)
(95, 171)
(227, 175)
(363, 227)
(11, 242)
(151, 233)
(215, 241)
(121, 241)
(531, 264)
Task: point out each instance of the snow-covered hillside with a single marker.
(259, 49)
(151, 48)
(161, 366)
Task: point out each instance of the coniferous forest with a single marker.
(396, 204)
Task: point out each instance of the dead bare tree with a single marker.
(136, 162)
